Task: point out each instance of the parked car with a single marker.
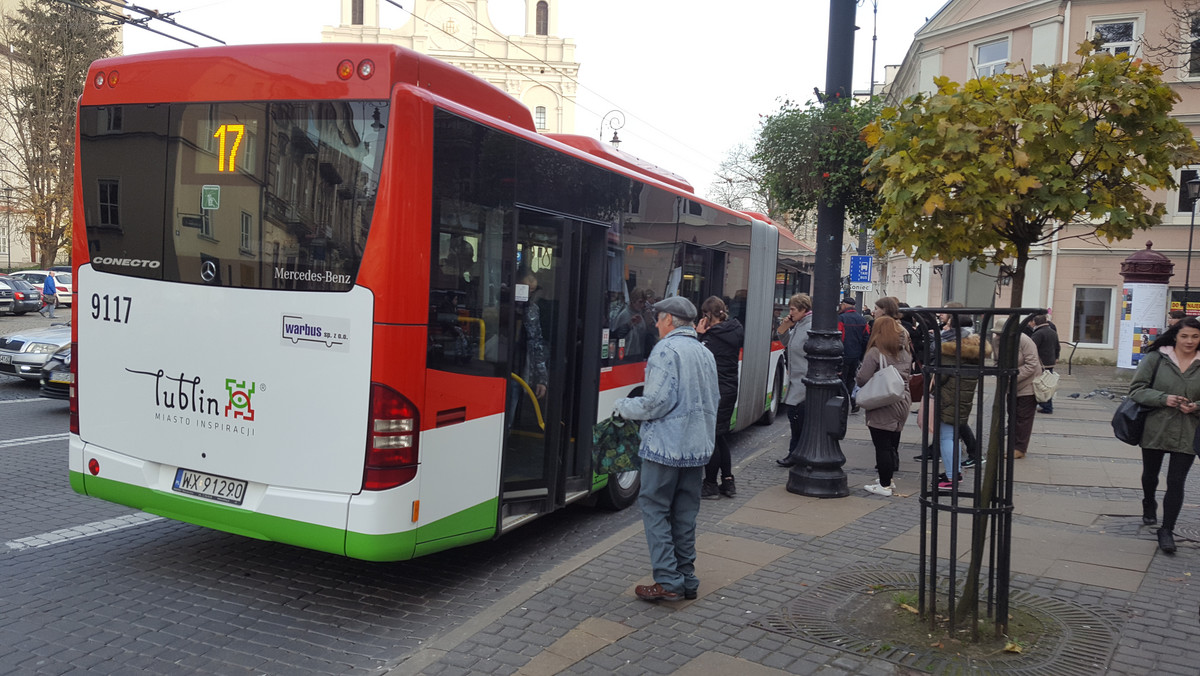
(62, 282)
(25, 353)
(25, 297)
(6, 294)
(57, 379)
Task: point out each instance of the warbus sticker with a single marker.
(318, 333)
(181, 401)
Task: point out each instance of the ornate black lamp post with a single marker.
(818, 469)
(1193, 192)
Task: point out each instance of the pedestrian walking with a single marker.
(1045, 337)
(723, 336)
(888, 346)
(955, 399)
(1029, 366)
(1168, 381)
(792, 332)
(49, 296)
(679, 409)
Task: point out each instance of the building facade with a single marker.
(1077, 277)
(537, 68)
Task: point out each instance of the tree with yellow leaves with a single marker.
(981, 172)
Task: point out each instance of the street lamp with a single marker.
(613, 119)
(1193, 191)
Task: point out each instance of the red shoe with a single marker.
(655, 592)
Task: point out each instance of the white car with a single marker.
(63, 284)
(23, 354)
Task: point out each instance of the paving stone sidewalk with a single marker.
(1078, 541)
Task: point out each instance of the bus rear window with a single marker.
(262, 195)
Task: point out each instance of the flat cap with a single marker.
(848, 300)
(677, 306)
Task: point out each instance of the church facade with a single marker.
(537, 68)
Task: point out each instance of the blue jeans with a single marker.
(946, 438)
(670, 501)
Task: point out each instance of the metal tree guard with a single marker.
(988, 501)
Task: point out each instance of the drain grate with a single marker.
(1077, 640)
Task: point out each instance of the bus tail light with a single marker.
(391, 440)
(73, 400)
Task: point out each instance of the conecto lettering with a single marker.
(128, 262)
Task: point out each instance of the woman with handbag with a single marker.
(1167, 382)
(888, 346)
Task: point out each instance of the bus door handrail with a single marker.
(537, 408)
(482, 333)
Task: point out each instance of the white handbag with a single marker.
(1044, 386)
(886, 387)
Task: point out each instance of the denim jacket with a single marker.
(678, 402)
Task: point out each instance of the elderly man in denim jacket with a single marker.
(679, 407)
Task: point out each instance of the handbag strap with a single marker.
(1155, 374)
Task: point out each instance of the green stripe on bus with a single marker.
(475, 524)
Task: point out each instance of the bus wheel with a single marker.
(768, 416)
(621, 491)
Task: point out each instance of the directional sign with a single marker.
(860, 269)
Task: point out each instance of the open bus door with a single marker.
(555, 356)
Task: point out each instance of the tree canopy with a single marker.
(813, 153)
(52, 44)
(982, 171)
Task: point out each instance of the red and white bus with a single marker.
(346, 297)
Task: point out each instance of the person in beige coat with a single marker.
(888, 347)
(1029, 366)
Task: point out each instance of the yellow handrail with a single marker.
(532, 397)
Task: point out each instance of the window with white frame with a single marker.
(991, 58)
(247, 231)
(1193, 64)
(1119, 35)
(1092, 320)
(539, 117)
(3, 239)
(1185, 175)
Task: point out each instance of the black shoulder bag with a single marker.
(1130, 419)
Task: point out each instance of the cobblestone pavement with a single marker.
(587, 621)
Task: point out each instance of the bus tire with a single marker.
(768, 416)
(621, 491)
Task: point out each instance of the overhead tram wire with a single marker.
(566, 75)
(123, 20)
(165, 17)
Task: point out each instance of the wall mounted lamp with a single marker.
(913, 272)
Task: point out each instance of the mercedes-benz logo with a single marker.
(208, 271)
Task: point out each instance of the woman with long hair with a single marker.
(723, 336)
(888, 346)
(1168, 381)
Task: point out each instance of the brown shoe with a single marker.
(655, 592)
(1018, 454)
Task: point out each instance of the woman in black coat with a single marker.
(723, 337)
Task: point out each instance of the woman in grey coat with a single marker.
(1173, 364)
(888, 347)
(793, 332)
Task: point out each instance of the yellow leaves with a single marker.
(909, 608)
(1012, 647)
(936, 201)
(1027, 183)
(871, 134)
(953, 178)
(1020, 158)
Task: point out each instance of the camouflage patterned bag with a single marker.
(615, 443)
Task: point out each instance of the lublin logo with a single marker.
(180, 397)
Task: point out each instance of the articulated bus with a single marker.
(347, 297)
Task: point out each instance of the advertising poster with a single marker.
(1143, 317)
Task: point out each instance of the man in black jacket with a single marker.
(853, 327)
(1046, 338)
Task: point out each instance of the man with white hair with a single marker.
(678, 408)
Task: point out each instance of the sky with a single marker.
(691, 85)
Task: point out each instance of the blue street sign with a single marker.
(860, 269)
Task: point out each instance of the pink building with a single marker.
(1077, 278)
